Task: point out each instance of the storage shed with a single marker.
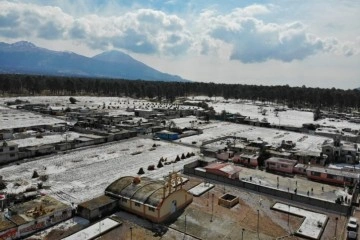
(97, 207)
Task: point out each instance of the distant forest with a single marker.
(11, 84)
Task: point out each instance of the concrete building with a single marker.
(224, 169)
(97, 207)
(8, 152)
(280, 165)
(338, 151)
(24, 219)
(249, 160)
(156, 200)
(332, 176)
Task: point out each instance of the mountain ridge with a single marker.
(26, 58)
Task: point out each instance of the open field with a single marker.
(81, 175)
(218, 129)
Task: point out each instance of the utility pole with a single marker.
(258, 219)
(336, 220)
(212, 207)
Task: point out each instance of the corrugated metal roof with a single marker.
(147, 191)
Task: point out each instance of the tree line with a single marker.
(13, 84)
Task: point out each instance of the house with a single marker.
(167, 135)
(280, 154)
(338, 151)
(224, 155)
(224, 169)
(250, 160)
(8, 152)
(332, 176)
(145, 113)
(6, 134)
(314, 158)
(300, 168)
(39, 150)
(97, 208)
(155, 200)
(36, 215)
(280, 165)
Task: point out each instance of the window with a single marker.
(152, 209)
(11, 148)
(1, 150)
(315, 174)
(283, 165)
(331, 176)
(137, 204)
(12, 155)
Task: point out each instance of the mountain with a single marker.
(26, 58)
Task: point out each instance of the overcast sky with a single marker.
(295, 42)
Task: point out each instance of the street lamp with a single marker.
(212, 207)
(242, 234)
(185, 225)
(336, 220)
(131, 233)
(258, 217)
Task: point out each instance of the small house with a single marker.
(280, 165)
(97, 207)
(224, 169)
(249, 160)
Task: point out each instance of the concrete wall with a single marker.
(189, 169)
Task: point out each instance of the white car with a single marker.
(352, 224)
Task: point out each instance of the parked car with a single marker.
(351, 235)
(352, 224)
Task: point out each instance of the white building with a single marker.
(8, 152)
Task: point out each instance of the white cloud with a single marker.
(254, 40)
(143, 30)
(242, 34)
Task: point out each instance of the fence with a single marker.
(320, 203)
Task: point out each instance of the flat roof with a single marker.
(45, 205)
(333, 171)
(281, 160)
(95, 230)
(97, 202)
(5, 224)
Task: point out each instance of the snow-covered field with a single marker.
(12, 118)
(81, 175)
(216, 129)
(47, 139)
(112, 105)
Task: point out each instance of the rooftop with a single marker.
(146, 191)
(34, 209)
(97, 202)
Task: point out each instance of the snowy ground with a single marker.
(113, 105)
(216, 129)
(81, 175)
(12, 118)
(47, 139)
(94, 230)
(313, 224)
(289, 117)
